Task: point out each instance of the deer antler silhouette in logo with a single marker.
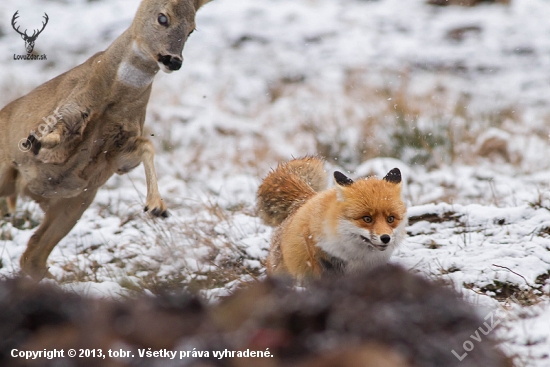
(29, 40)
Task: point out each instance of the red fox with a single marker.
(353, 226)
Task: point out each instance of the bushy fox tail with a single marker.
(288, 187)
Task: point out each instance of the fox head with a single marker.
(371, 211)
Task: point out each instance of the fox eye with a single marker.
(163, 19)
(367, 219)
(390, 219)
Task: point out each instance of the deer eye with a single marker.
(367, 219)
(390, 219)
(163, 19)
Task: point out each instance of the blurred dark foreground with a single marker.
(384, 318)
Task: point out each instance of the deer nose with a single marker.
(385, 238)
(175, 63)
(172, 62)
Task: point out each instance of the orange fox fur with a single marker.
(353, 226)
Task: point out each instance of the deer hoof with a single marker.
(30, 144)
(157, 208)
(159, 213)
(50, 141)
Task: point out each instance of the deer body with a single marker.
(86, 157)
(98, 112)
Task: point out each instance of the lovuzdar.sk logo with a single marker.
(29, 40)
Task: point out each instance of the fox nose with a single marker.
(385, 238)
(172, 62)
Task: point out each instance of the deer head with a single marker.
(161, 28)
(29, 40)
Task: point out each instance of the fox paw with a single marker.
(156, 207)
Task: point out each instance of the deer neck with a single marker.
(131, 67)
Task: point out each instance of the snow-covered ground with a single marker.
(458, 95)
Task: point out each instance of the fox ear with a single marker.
(393, 176)
(342, 179)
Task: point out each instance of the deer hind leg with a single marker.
(8, 178)
(12, 203)
(143, 151)
(61, 216)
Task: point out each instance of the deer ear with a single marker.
(393, 176)
(199, 3)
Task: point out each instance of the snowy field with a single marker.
(456, 97)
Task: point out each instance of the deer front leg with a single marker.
(49, 141)
(143, 151)
(53, 139)
(154, 202)
(65, 124)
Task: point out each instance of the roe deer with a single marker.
(100, 111)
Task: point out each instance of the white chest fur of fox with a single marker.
(354, 226)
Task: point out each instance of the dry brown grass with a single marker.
(366, 121)
(219, 260)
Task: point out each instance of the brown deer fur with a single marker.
(99, 109)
